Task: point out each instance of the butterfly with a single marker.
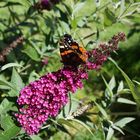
(71, 53)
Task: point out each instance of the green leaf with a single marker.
(121, 123)
(136, 95)
(125, 101)
(10, 129)
(6, 121)
(109, 86)
(69, 107)
(65, 27)
(6, 84)
(10, 133)
(11, 4)
(84, 125)
(120, 87)
(138, 83)
(33, 76)
(124, 91)
(117, 128)
(66, 122)
(99, 135)
(16, 81)
(5, 106)
(122, 7)
(9, 65)
(35, 137)
(112, 83)
(110, 133)
(109, 17)
(74, 23)
(13, 93)
(31, 52)
(14, 1)
(78, 7)
(83, 135)
(4, 87)
(102, 110)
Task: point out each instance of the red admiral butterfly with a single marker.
(71, 53)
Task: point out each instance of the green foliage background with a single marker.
(115, 89)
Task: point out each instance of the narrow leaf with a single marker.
(138, 83)
(101, 110)
(122, 7)
(112, 83)
(9, 65)
(118, 129)
(120, 87)
(11, 4)
(35, 137)
(6, 84)
(125, 101)
(84, 125)
(109, 17)
(66, 122)
(136, 95)
(110, 133)
(109, 88)
(121, 123)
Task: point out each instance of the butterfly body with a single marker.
(71, 53)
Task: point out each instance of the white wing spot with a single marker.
(62, 47)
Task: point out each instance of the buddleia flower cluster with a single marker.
(46, 96)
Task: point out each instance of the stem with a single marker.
(103, 6)
(24, 68)
(98, 9)
(88, 35)
(119, 17)
(70, 103)
(124, 113)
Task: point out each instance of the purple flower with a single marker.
(98, 56)
(46, 4)
(45, 60)
(45, 97)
